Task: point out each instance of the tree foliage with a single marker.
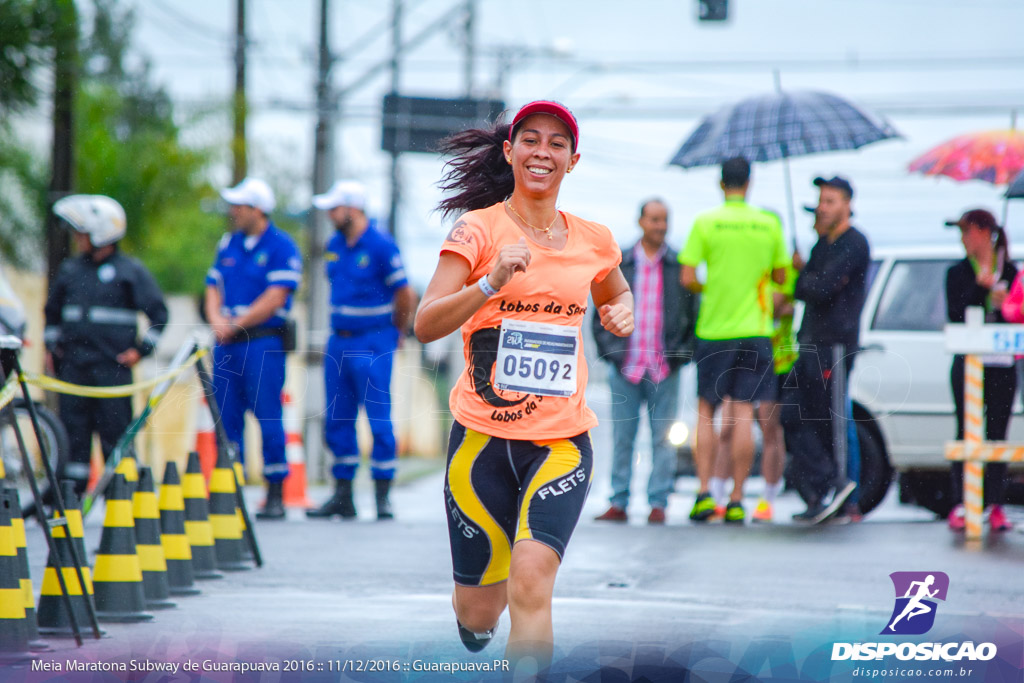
(128, 146)
(22, 52)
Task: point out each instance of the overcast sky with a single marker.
(639, 75)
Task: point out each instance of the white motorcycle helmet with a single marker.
(95, 215)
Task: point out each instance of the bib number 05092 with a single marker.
(537, 358)
(537, 368)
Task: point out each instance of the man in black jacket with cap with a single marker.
(832, 284)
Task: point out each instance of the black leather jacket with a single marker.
(680, 316)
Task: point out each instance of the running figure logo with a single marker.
(916, 592)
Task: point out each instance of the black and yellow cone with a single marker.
(197, 521)
(246, 532)
(13, 623)
(224, 516)
(117, 577)
(27, 593)
(148, 545)
(177, 551)
(129, 467)
(52, 614)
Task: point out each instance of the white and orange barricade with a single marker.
(294, 488)
(975, 339)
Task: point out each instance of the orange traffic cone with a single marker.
(95, 471)
(148, 544)
(197, 521)
(13, 623)
(206, 438)
(53, 615)
(294, 486)
(28, 595)
(117, 577)
(177, 550)
(225, 515)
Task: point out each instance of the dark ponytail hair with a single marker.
(1002, 244)
(477, 173)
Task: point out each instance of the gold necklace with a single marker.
(546, 231)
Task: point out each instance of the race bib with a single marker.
(537, 358)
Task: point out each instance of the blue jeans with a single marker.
(661, 401)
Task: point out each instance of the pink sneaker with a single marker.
(956, 518)
(997, 520)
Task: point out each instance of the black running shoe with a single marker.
(475, 642)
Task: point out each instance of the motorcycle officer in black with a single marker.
(91, 333)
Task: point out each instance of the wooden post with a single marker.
(974, 435)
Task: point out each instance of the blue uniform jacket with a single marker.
(364, 279)
(242, 272)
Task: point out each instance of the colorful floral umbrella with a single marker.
(995, 156)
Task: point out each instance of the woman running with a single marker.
(514, 273)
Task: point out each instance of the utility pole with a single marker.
(316, 303)
(65, 68)
(238, 147)
(470, 46)
(396, 48)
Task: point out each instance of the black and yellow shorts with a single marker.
(500, 491)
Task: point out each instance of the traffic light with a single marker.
(713, 10)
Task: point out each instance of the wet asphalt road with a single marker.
(332, 590)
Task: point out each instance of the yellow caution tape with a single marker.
(8, 391)
(61, 387)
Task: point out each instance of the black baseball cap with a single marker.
(837, 182)
(813, 209)
(980, 217)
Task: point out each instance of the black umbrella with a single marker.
(778, 126)
(1016, 188)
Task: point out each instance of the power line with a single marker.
(198, 28)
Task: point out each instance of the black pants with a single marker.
(82, 417)
(1000, 387)
(807, 422)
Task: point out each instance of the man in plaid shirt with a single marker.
(646, 364)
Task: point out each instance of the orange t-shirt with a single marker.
(554, 289)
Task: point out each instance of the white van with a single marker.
(900, 383)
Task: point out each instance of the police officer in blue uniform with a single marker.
(248, 296)
(372, 305)
(91, 332)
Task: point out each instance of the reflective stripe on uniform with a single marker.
(395, 277)
(105, 315)
(76, 470)
(346, 460)
(274, 469)
(214, 274)
(363, 311)
(51, 334)
(71, 314)
(284, 276)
